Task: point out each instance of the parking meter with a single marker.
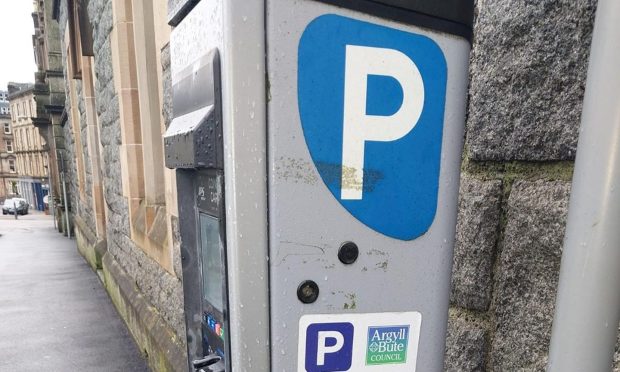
(342, 127)
(194, 147)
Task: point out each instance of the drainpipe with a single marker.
(587, 310)
(64, 195)
(50, 197)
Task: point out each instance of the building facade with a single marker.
(5, 109)
(49, 94)
(122, 199)
(30, 147)
(8, 159)
(528, 72)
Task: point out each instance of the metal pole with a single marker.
(64, 195)
(588, 301)
(50, 197)
(15, 208)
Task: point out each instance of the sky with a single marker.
(16, 54)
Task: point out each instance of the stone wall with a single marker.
(163, 290)
(528, 74)
(69, 154)
(69, 161)
(152, 292)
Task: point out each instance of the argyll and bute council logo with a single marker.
(359, 342)
(387, 345)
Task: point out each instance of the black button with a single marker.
(348, 253)
(308, 292)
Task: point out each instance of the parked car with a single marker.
(10, 205)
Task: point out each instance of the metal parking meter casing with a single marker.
(236, 30)
(194, 146)
(392, 278)
(265, 149)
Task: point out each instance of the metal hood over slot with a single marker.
(194, 138)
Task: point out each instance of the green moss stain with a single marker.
(350, 304)
(522, 170)
(382, 265)
(510, 171)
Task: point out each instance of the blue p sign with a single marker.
(371, 101)
(329, 347)
(359, 126)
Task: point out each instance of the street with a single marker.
(55, 314)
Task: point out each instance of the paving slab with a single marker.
(55, 314)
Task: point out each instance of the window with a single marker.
(7, 128)
(80, 35)
(9, 146)
(12, 166)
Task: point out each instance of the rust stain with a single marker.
(299, 170)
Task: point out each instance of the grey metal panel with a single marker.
(307, 225)
(588, 301)
(245, 168)
(237, 30)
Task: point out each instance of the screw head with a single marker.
(308, 291)
(348, 253)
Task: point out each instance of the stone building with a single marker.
(30, 147)
(8, 159)
(122, 201)
(49, 94)
(528, 72)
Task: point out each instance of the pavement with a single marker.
(55, 314)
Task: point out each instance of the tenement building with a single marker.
(4, 103)
(8, 159)
(527, 77)
(30, 147)
(49, 95)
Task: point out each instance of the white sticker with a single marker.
(386, 342)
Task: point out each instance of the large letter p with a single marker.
(358, 127)
(322, 347)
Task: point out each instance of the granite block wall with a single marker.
(86, 206)
(528, 73)
(161, 289)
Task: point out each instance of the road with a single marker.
(55, 314)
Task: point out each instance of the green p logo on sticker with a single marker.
(387, 345)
